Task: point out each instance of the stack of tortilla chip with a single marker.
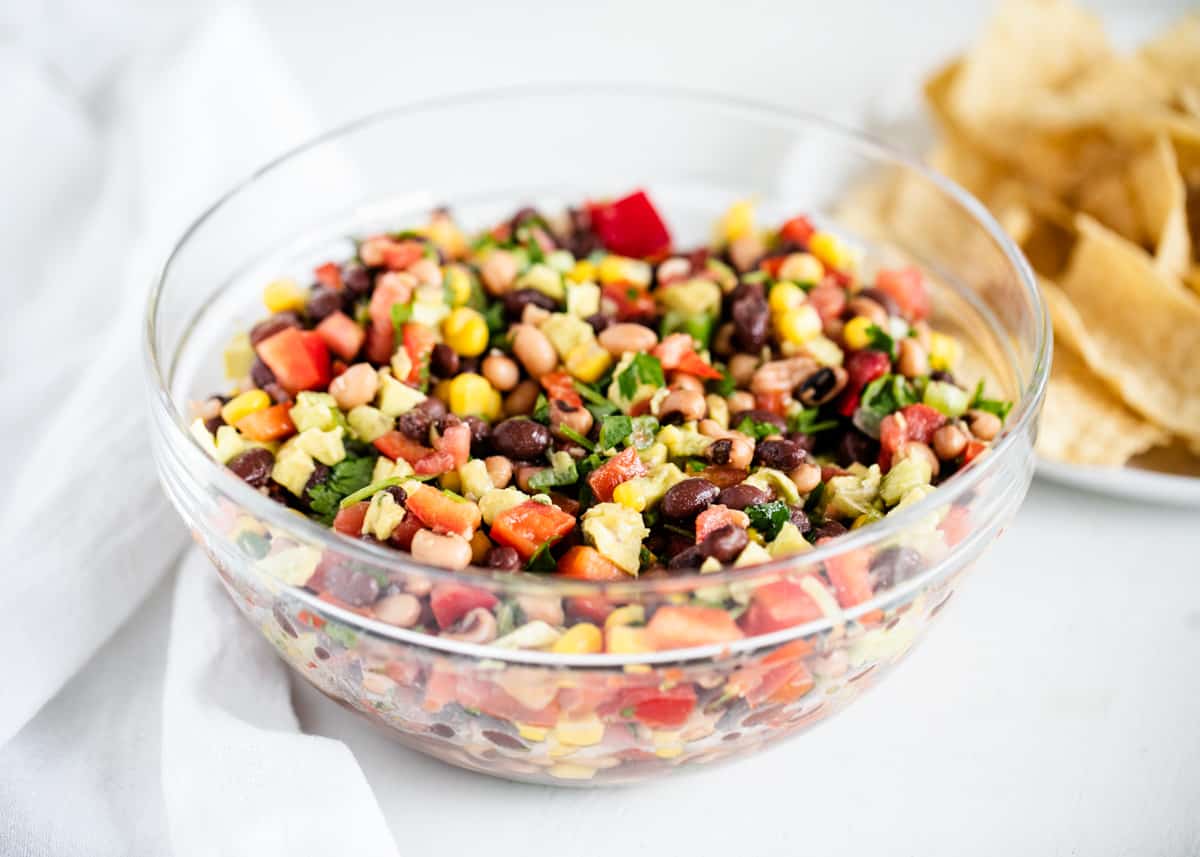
(1091, 161)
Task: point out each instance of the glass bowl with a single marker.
(535, 715)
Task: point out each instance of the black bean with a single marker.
(443, 361)
(725, 544)
(750, 323)
(780, 454)
(398, 494)
(261, 374)
(356, 279)
(747, 291)
(521, 439)
(599, 322)
(893, 565)
(268, 327)
(582, 240)
(688, 498)
(502, 739)
(515, 302)
(854, 446)
(214, 423)
(799, 517)
(719, 450)
(481, 436)
(468, 364)
(759, 416)
(883, 299)
(322, 302)
(276, 392)
(830, 529)
(688, 558)
(818, 387)
(942, 375)
(415, 425)
(253, 466)
(502, 557)
(434, 407)
(742, 495)
(807, 442)
(320, 476)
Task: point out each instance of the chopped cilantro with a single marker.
(757, 430)
(726, 386)
(768, 518)
(401, 313)
(348, 476)
(646, 557)
(645, 369)
(888, 394)
(369, 491)
(807, 421)
(999, 407)
(881, 340)
(598, 404)
(542, 560)
(541, 410)
(494, 316)
(570, 434)
(340, 634)
(552, 477)
(614, 430)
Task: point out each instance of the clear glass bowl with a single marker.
(603, 718)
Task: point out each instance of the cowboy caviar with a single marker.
(571, 396)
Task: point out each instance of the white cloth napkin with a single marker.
(132, 722)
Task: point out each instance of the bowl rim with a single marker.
(271, 512)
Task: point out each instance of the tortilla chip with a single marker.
(1175, 55)
(1161, 198)
(1084, 422)
(1138, 331)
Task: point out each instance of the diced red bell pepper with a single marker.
(397, 445)
(558, 385)
(906, 286)
(631, 226)
(677, 352)
(527, 527)
(862, 367)
(778, 605)
(653, 706)
(273, 423)
(622, 467)
(419, 340)
(451, 601)
(443, 513)
(381, 341)
(298, 358)
(342, 334)
(329, 275)
(973, 450)
(433, 464)
(681, 627)
(776, 403)
(798, 230)
(399, 256)
(850, 574)
(586, 563)
(634, 303)
(349, 521)
(717, 516)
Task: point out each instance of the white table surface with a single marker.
(1055, 708)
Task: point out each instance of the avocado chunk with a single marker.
(395, 397)
(325, 446)
(617, 532)
(293, 466)
(315, 411)
(853, 494)
(383, 515)
(368, 423)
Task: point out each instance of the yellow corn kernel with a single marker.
(247, 403)
(472, 395)
(855, 333)
(802, 268)
(441, 391)
(559, 750)
(944, 351)
(785, 296)
(458, 284)
(587, 361)
(582, 639)
(668, 752)
(799, 325)
(532, 733)
(480, 544)
(831, 250)
(582, 272)
(630, 614)
(466, 332)
(625, 640)
(619, 269)
(629, 495)
(580, 733)
(450, 481)
(569, 771)
(283, 295)
(737, 222)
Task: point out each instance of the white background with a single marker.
(1055, 709)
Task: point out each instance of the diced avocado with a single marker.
(906, 474)
(227, 443)
(788, 542)
(314, 411)
(656, 483)
(395, 397)
(616, 532)
(368, 423)
(544, 279)
(752, 554)
(947, 398)
(614, 389)
(718, 409)
(565, 332)
(915, 494)
(383, 515)
(385, 468)
(583, 299)
(853, 494)
(239, 357)
(684, 441)
(695, 297)
(429, 305)
(560, 260)
(476, 481)
(654, 455)
(401, 363)
(562, 471)
(769, 479)
(710, 565)
(293, 466)
(727, 278)
(824, 350)
(325, 446)
(498, 500)
(294, 566)
(537, 634)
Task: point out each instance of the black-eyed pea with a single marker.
(522, 399)
(682, 406)
(684, 381)
(913, 360)
(618, 339)
(949, 442)
(498, 272)
(869, 309)
(916, 449)
(983, 424)
(478, 626)
(741, 368)
(534, 351)
(500, 470)
(806, 477)
(740, 400)
(444, 551)
(501, 371)
(402, 610)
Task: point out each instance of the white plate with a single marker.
(1130, 483)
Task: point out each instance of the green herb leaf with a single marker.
(769, 518)
(346, 477)
(542, 560)
(881, 340)
(369, 491)
(808, 421)
(999, 407)
(888, 394)
(615, 430)
(645, 369)
(541, 410)
(401, 313)
(757, 430)
(597, 403)
(552, 477)
(726, 386)
(571, 434)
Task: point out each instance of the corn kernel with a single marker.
(532, 733)
(583, 271)
(568, 771)
(629, 495)
(737, 222)
(785, 296)
(582, 639)
(472, 395)
(944, 351)
(855, 333)
(458, 284)
(466, 332)
(441, 391)
(284, 295)
(451, 481)
(802, 268)
(799, 325)
(619, 269)
(585, 732)
(480, 544)
(247, 403)
(669, 752)
(559, 750)
(630, 614)
(625, 640)
(588, 361)
(831, 250)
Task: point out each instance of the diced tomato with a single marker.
(381, 341)
(441, 687)
(781, 676)
(850, 574)
(418, 342)
(828, 300)
(349, 521)
(443, 513)
(399, 256)
(972, 451)
(717, 516)
(558, 385)
(772, 266)
(329, 275)
(622, 467)
(631, 226)
(862, 367)
(590, 608)
(956, 526)
(273, 423)
(653, 706)
(776, 403)
(527, 527)
(342, 334)
(455, 441)
(402, 536)
(298, 358)
(680, 627)
(397, 445)
(906, 286)
(587, 563)
(678, 352)
(912, 422)
(778, 605)
(433, 464)
(798, 230)
(634, 303)
(451, 601)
